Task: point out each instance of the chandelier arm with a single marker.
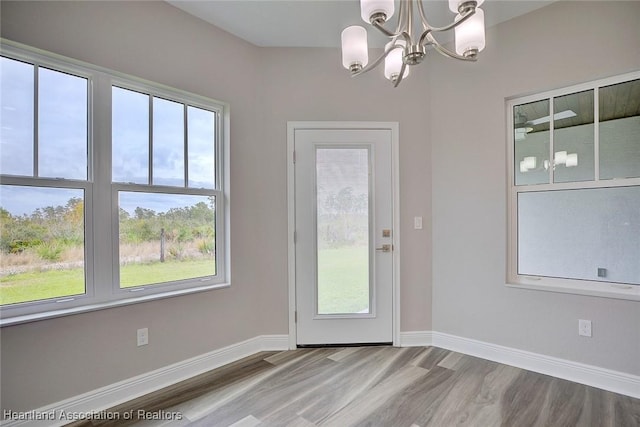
(446, 52)
(399, 79)
(375, 63)
(401, 14)
(383, 30)
(468, 14)
(409, 27)
(423, 17)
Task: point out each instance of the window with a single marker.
(44, 190)
(112, 189)
(574, 189)
(166, 189)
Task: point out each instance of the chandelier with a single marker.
(406, 47)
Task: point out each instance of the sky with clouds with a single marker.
(62, 141)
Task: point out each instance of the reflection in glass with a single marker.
(589, 234)
(16, 117)
(130, 136)
(619, 107)
(165, 237)
(573, 137)
(62, 125)
(201, 140)
(41, 243)
(531, 135)
(168, 142)
(342, 183)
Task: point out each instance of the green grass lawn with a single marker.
(35, 286)
(343, 280)
(144, 274)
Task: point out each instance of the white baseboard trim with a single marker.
(606, 379)
(109, 396)
(416, 339)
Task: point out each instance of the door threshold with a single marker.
(362, 344)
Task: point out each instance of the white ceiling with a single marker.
(318, 23)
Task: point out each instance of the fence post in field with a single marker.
(162, 245)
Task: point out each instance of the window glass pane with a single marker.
(130, 136)
(165, 237)
(573, 140)
(201, 136)
(342, 183)
(16, 117)
(168, 143)
(62, 125)
(587, 234)
(531, 137)
(620, 130)
(42, 243)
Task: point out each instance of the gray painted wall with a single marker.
(459, 165)
(44, 362)
(556, 46)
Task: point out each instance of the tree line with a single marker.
(50, 229)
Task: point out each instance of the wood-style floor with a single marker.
(380, 386)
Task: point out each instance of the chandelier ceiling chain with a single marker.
(406, 47)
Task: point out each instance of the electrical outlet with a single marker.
(584, 328)
(143, 336)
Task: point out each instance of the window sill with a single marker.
(594, 289)
(26, 318)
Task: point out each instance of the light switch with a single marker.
(417, 222)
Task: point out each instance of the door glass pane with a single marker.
(16, 117)
(531, 137)
(573, 140)
(42, 243)
(63, 125)
(620, 130)
(130, 136)
(165, 237)
(342, 184)
(168, 143)
(201, 133)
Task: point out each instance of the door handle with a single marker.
(385, 248)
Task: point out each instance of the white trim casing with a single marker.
(416, 339)
(102, 288)
(555, 284)
(395, 169)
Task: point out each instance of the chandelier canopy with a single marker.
(406, 47)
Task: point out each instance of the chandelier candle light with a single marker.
(406, 47)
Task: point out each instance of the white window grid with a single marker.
(577, 286)
(101, 207)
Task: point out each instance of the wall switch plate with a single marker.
(143, 336)
(417, 222)
(584, 328)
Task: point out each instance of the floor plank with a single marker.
(380, 386)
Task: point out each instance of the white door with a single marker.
(343, 236)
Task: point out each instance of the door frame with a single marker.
(395, 188)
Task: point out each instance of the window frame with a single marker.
(102, 287)
(553, 284)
